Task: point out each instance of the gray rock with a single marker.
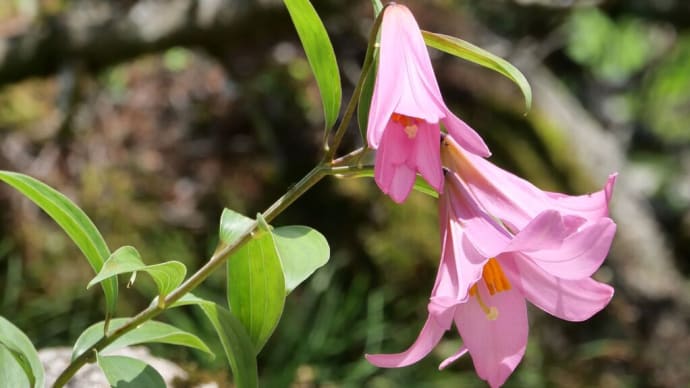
(55, 360)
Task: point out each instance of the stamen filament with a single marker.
(495, 281)
(491, 312)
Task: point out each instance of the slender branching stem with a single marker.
(328, 166)
(352, 105)
(219, 258)
(355, 171)
(351, 159)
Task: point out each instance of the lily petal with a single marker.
(453, 358)
(465, 135)
(428, 339)
(581, 254)
(402, 43)
(545, 231)
(461, 265)
(501, 190)
(392, 174)
(387, 87)
(402, 183)
(427, 154)
(571, 300)
(469, 263)
(586, 203)
(514, 200)
(395, 144)
(483, 232)
(496, 346)
(447, 282)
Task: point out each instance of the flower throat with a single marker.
(409, 124)
(496, 281)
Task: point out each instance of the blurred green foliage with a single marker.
(612, 50)
(665, 101)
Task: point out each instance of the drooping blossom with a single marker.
(407, 109)
(489, 270)
(514, 200)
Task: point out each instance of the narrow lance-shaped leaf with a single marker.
(370, 65)
(320, 55)
(147, 332)
(465, 50)
(127, 372)
(13, 373)
(126, 259)
(256, 287)
(238, 347)
(236, 343)
(376, 4)
(18, 345)
(73, 221)
(365, 95)
(302, 250)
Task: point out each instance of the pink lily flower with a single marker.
(407, 109)
(488, 271)
(514, 200)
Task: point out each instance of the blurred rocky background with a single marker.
(154, 115)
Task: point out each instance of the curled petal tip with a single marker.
(452, 358)
(608, 189)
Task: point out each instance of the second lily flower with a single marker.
(407, 110)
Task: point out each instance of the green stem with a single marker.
(218, 259)
(352, 104)
(351, 171)
(351, 159)
(328, 166)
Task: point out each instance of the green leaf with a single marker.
(256, 287)
(233, 225)
(126, 259)
(147, 332)
(73, 221)
(238, 347)
(127, 372)
(462, 49)
(376, 4)
(302, 250)
(320, 55)
(12, 372)
(167, 276)
(365, 95)
(20, 348)
(237, 344)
